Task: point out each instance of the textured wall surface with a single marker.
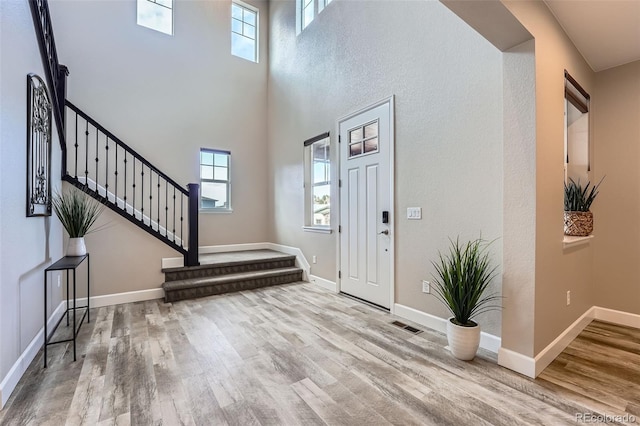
(27, 245)
(447, 82)
(168, 96)
(518, 286)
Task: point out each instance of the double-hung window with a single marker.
(244, 31)
(215, 180)
(317, 161)
(156, 14)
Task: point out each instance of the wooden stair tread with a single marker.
(221, 260)
(223, 279)
(229, 272)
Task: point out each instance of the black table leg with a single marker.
(74, 314)
(45, 319)
(88, 293)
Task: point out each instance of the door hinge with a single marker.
(339, 139)
(339, 183)
(339, 229)
(339, 274)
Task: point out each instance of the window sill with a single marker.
(216, 211)
(318, 229)
(569, 241)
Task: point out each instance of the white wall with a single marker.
(168, 96)
(447, 82)
(27, 245)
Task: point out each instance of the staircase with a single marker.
(107, 169)
(104, 167)
(230, 272)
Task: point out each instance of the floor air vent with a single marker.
(406, 327)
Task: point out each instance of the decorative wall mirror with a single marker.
(577, 161)
(38, 148)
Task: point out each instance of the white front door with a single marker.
(366, 204)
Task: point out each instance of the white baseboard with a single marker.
(487, 341)
(617, 317)
(555, 348)
(329, 285)
(532, 367)
(120, 298)
(517, 362)
(172, 262)
(490, 342)
(422, 318)
(301, 261)
(14, 375)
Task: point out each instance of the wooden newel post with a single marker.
(191, 258)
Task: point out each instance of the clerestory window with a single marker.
(307, 11)
(156, 14)
(244, 31)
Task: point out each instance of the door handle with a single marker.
(385, 232)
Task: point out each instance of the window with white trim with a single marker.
(307, 10)
(215, 179)
(244, 31)
(317, 186)
(156, 14)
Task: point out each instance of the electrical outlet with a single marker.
(568, 297)
(426, 287)
(314, 259)
(58, 280)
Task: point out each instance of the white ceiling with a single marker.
(606, 32)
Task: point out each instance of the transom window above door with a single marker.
(363, 140)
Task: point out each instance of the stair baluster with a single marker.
(185, 201)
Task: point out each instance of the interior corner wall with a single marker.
(616, 140)
(556, 270)
(447, 82)
(167, 97)
(27, 245)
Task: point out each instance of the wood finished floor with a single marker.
(299, 355)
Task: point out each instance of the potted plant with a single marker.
(461, 281)
(578, 220)
(78, 213)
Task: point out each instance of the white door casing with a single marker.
(366, 191)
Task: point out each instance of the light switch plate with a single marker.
(414, 213)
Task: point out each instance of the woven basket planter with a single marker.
(578, 224)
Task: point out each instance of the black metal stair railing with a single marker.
(108, 169)
(55, 73)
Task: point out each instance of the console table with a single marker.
(67, 263)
